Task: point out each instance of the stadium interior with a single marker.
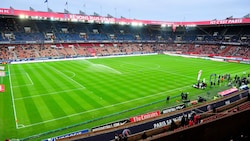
(30, 39)
(34, 39)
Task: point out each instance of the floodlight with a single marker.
(163, 25)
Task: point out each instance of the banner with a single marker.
(228, 91)
(2, 88)
(67, 135)
(145, 116)
(172, 109)
(1, 67)
(2, 73)
(110, 125)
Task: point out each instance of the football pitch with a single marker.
(81, 94)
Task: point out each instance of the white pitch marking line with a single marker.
(12, 98)
(30, 79)
(48, 94)
(25, 84)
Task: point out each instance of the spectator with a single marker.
(126, 132)
(173, 125)
(144, 135)
(116, 137)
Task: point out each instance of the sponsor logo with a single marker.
(179, 107)
(67, 135)
(230, 21)
(110, 125)
(145, 116)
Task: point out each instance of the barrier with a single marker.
(68, 135)
(86, 122)
(228, 91)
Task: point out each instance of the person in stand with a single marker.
(186, 120)
(195, 119)
(198, 118)
(117, 137)
(125, 133)
(183, 121)
(144, 135)
(190, 123)
(173, 125)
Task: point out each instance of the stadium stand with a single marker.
(188, 40)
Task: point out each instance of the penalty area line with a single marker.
(57, 92)
(12, 98)
(31, 82)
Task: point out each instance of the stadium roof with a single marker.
(67, 16)
(166, 10)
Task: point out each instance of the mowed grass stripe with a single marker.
(30, 106)
(44, 110)
(46, 84)
(117, 88)
(32, 115)
(141, 67)
(56, 80)
(87, 99)
(154, 73)
(90, 98)
(53, 85)
(65, 78)
(136, 82)
(98, 80)
(73, 102)
(46, 81)
(32, 110)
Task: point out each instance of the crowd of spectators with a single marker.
(32, 51)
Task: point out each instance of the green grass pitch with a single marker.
(40, 97)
